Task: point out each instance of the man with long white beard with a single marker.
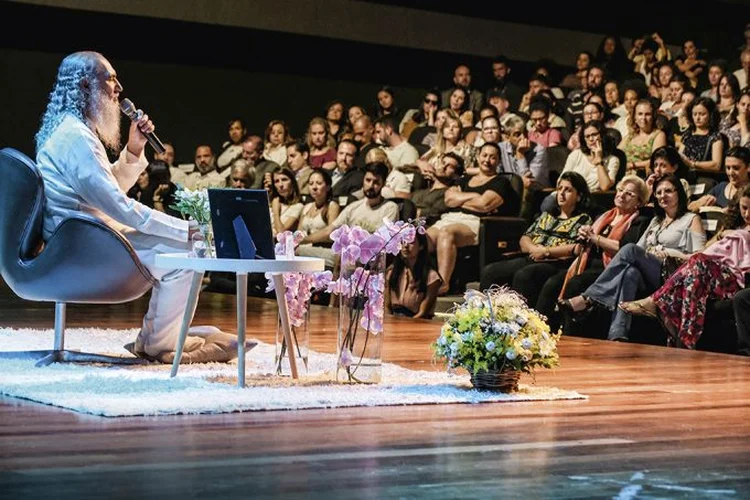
(82, 118)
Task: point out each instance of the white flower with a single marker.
(490, 346)
(527, 343)
(511, 354)
(442, 340)
(468, 336)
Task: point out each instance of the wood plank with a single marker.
(660, 422)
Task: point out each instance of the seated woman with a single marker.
(318, 214)
(595, 160)
(644, 138)
(155, 188)
(736, 126)
(598, 244)
(667, 161)
(448, 140)
(336, 121)
(276, 137)
(286, 206)
(321, 143)
(422, 116)
(485, 193)
(411, 282)
(460, 104)
(702, 147)
(548, 243)
(638, 269)
(718, 272)
(736, 166)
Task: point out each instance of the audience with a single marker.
(466, 151)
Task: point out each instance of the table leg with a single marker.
(278, 284)
(241, 326)
(192, 303)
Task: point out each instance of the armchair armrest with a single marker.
(498, 237)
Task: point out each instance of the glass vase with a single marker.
(360, 323)
(203, 242)
(300, 342)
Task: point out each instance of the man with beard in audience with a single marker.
(82, 122)
(204, 175)
(252, 153)
(430, 202)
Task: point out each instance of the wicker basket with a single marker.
(500, 381)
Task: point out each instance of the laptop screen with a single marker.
(233, 211)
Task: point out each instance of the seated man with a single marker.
(346, 177)
(367, 213)
(252, 152)
(430, 202)
(205, 175)
(81, 122)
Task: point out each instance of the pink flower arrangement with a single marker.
(362, 289)
(299, 286)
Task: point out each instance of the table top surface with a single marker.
(280, 264)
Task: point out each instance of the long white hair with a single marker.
(68, 95)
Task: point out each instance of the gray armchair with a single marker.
(84, 261)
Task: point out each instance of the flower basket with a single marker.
(496, 337)
(493, 380)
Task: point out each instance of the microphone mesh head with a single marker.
(127, 107)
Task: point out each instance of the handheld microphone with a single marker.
(129, 109)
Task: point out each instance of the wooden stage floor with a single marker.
(659, 423)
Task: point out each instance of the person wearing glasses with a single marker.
(424, 116)
(638, 269)
(595, 161)
(521, 156)
(541, 132)
(598, 244)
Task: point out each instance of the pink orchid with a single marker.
(370, 247)
(345, 358)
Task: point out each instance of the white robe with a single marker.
(78, 177)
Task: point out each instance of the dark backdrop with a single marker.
(192, 78)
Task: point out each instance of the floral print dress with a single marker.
(682, 299)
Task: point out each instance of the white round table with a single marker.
(241, 267)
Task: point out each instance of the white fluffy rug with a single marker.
(211, 388)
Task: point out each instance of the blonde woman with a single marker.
(321, 143)
(448, 141)
(642, 140)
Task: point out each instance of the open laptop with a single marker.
(241, 221)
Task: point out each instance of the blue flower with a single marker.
(527, 343)
(466, 337)
(490, 346)
(442, 340)
(511, 354)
